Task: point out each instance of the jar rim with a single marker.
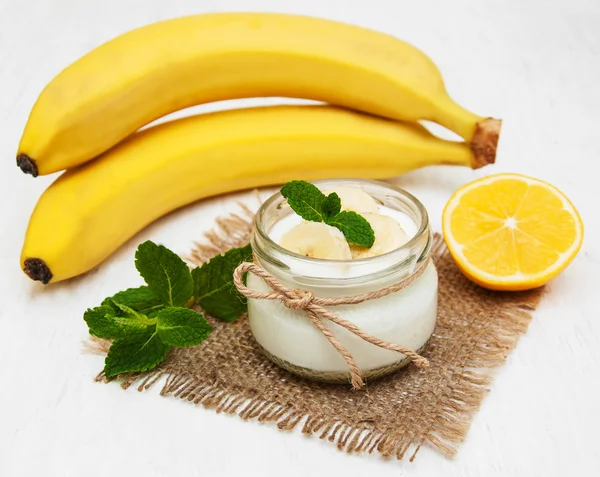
(422, 227)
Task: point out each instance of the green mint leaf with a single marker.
(305, 199)
(214, 288)
(100, 321)
(182, 327)
(332, 206)
(139, 299)
(103, 323)
(128, 312)
(224, 303)
(356, 228)
(138, 352)
(166, 274)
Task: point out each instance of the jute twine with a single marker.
(314, 307)
(476, 331)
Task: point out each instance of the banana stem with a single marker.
(485, 142)
(481, 133)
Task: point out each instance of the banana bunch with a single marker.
(377, 86)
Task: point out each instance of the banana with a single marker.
(388, 236)
(88, 212)
(317, 240)
(147, 73)
(354, 199)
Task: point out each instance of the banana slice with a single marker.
(317, 240)
(355, 199)
(389, 236)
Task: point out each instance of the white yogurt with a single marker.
(406, 318)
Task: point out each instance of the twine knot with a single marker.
(314, 307)
(303, 299)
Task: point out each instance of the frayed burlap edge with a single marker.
(450, 418)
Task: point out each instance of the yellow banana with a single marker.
(89, 211)
(147, 73)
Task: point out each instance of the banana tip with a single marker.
(36, 269)
(27, 164)
(485, 142)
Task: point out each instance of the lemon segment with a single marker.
(511, 232)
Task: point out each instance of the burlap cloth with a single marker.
(476, 330)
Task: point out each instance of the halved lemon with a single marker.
(511, 232)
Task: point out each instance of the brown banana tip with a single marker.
(485, 142)
(27, 164)
(36, 269)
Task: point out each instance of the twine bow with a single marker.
(314, 307)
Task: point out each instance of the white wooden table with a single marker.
(534, 63)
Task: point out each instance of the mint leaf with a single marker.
(332, 206)
(129, 312)
(305, 199)
(100, 321)
(182, 327)
(214, 288)
(224, 303)
(138, 352)
(166, 274)
(356, 228)
(103, 323)
(139, 299)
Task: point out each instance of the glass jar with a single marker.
(406, 317)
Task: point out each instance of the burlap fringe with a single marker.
(450, 420)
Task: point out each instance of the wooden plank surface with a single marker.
(534, 63)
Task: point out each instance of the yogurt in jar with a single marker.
(406, 318)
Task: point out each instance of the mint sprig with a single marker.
(167, 275)
(146, 322)
(355, 227)
(142, 351)
(306, 200)
(104, 322)
(180, 327)
(140, 299)
(214, 288)
(311, 204)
